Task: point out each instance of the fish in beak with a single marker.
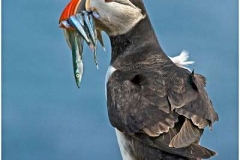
(83, 20)
(78, 26)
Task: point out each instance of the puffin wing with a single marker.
(135, 104)
(152, 103)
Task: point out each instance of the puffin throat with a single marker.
(139, 39)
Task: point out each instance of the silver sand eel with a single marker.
(80, 28)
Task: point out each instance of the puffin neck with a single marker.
(140, 38)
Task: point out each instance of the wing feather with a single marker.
(188, 134)
(162, 110)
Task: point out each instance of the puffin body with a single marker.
(158, 109)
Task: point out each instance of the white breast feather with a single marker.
(182, 60)
(110, 71)
(123, 145)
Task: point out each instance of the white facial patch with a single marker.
(118, 18)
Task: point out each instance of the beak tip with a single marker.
(69, 10)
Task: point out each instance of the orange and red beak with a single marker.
(69, 10)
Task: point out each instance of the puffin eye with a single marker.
(109, 1)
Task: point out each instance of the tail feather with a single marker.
(201, 152)
(193, 151)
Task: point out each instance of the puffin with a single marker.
(158, 107)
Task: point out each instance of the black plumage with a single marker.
(161, 108)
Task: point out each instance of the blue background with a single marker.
(45, 116)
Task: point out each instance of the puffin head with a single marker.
(115, 17)
(85, 19)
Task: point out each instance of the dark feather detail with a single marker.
(193, 151)
(137, 109)
(147, 105)
(197, 120)
(200, 110)
(162, 142)
(188, 134)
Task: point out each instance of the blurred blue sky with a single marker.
(45, 116)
